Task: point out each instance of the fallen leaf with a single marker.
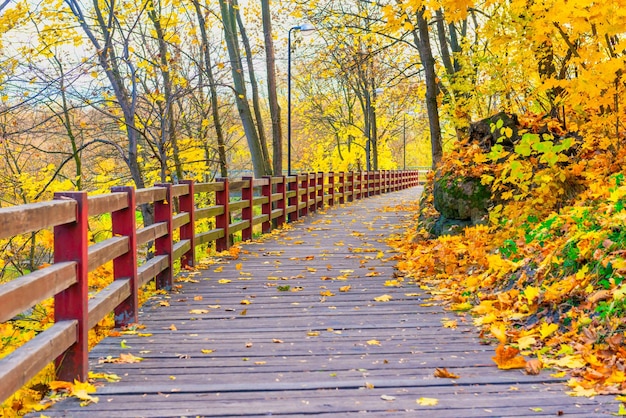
(444, 373)
(313, 333)
(223, 281)
(277, 341)
(383, 298)
(198, 311)
(199, 297)
(387, 398)
(427, 401)
(238, 266)
(345, 288)
(206, 351)
(173, 328)
(373, 342)
(218, 269)
(326, 293)
(369, 385)
(508, 358)
(533, 367)
(537, 409)
(450, 324)
(245, 302)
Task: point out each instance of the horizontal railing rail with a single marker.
(232, 207)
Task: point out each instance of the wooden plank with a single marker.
(180, 189)
(26, 291)
(105, 251)
(209, 236)
(107, 299)
(106, 203)
(149, 195)
(180, 219)
(180, 248)
(20, 366)
(23, 219)
(151, 268)
(237, 206)
(238, 226)
(208, 187)
(150, 233)
(209, 212)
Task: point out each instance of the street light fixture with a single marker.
(302, 28)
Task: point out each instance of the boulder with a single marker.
(461, 198)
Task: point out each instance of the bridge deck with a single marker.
(294, 352)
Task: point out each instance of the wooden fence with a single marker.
(276, 199)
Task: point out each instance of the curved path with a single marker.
(292, 328)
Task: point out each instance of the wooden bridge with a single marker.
(301, 323)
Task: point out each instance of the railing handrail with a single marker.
(281, 199)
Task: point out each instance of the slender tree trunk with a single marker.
(208, 69)
(168, 131)
(422, 41)
(261, 168)
(270, 59)
(256, 102)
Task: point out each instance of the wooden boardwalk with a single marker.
(277, 332)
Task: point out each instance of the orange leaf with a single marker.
(444, 373)
(508, 358)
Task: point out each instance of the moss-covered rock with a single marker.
(461, 198)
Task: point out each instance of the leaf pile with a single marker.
(544, 276)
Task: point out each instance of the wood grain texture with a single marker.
(281, 338)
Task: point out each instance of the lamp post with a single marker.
(304, 27)
(404, 141)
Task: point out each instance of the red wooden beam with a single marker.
(163, 212)
(187, 203)
(294, 186)
(247, 214)
(124, 223)
(70, 244)
(304, 185)
(281, 188)
(266, 208)
(222, 198)
(331, 188)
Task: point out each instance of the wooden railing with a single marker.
(280, 200)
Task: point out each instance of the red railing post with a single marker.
(266, 208)
(164, 212)
(70, 244)
(187, 203)
(359, 195)
(342, 187)
(304, 185)
(331, 188)
(312, 191)
(222, 221)
(294, 200)
(351, 189)
(247, 193)
(321, 190)
(124, 223)
(282, 203)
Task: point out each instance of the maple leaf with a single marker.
(198, 311)
(82, 391)
(373, 342)
(383, 298)
(444, 373)
(345, 288)
(508, 358)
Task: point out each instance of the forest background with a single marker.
(104, 93)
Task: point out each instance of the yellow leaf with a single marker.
(198, 311)
(499, 331)
(245, 302)
(531, 293)
(526, 342)
(173, 328)
(546, 329)
(427, 401)
(345, 288)
(238, 266)
(373, 342)
(223, 281)
(312, 333)
(450, 324)
(383, 298)
(326, 293)
(444, 373)
(206, 351)
(218, 269)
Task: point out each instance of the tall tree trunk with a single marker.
(168, 128)
(422, 41)
(208, 69)
(256, 102)
(270, 59)
(261, 168)
(127, 100)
